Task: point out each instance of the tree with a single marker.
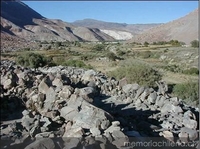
(195, 43)
(146, 44)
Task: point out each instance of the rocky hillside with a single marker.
(17, 19)
(20, 21)
(66, 107)
(119, 31)
(184, 29)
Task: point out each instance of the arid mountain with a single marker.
(132, 28)
(19, 20)
(184, 29)
(119, 31)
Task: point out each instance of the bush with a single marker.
(145, 54)
(111, 56)
(77, 63)
(33, 60)
(120, 52)
(99, 47)
(189, 92)
(137, 73)
(195, 43)
(173, 68)
(191, 71)
(146, 44)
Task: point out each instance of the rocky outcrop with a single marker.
(73, 107)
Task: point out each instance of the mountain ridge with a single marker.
(32, 26)
(184, 29)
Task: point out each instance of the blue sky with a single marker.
(130, 12)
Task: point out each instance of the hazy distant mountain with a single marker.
(132, 28)
(184, 29)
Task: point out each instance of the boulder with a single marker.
(130, 87)
(43, 87)
(66, 92)
(168, 135)
(95, 131)
(193, 134)
(88, 75)
(68, 113)
(189, 123)
(90, 116)
(43, 143)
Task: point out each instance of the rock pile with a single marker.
(66, 107)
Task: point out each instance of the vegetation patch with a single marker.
(191, 71)
(189, 92)
(137, 73)
(33, 60)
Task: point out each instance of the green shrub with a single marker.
(145, 54)
(146, 44)
(166, 50)
(33, 60)
(137, 73)
(173, 68)
(99, 47)
(189, 92)
(111, 56)
(191, 71)
(195, 43)
(120, 53)
(77, 63)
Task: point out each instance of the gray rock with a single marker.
(130, 87)
(184, 137)
(71, 143)
(118, 134)
(174, 101)
(168, 135)
(122, 82)
(95, 131)
(43, 143)
(160, 100)
(27, 123)
(44, 135)
(152, 98)
(90, 116)
(88, 91)
(68, 113)
(139, 92)
(189, 123)
(57, 82)
(74, 132)
(25, 112)
(189, 115)
(88, 75)
(50, 99)
(75, 102)
(171, 108)
(167, 125)
(105, 124)
(43, 87)
(8, 84)
(193, 134)
(66, 92)
(112, 128)
(145, 94)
